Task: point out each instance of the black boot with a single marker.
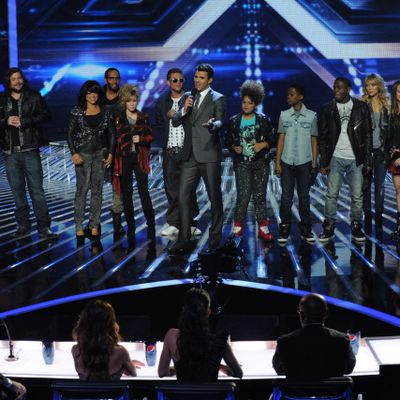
(151, 226)
(130, 220)
(396, 233)
(119, 231)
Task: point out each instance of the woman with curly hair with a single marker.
(376, 96)
(91, 140)
(393, 149)
(97, 355)
(249, 137)
(196, 352)
(132, 155)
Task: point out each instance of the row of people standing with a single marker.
(363, 133)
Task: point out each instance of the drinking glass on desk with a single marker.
(48, 351)
(354, 340)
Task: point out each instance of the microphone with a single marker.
(194, 93)
(11, 356)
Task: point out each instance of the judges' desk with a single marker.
(255, 358)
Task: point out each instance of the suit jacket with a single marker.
(313, 352)
(204, 143)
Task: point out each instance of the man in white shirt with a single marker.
(345, 147)
(172, 139)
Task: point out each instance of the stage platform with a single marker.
(36, 275)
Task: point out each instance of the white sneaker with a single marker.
(169, 230)
(195, 231)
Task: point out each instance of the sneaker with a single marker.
(356, 232)
(237, 228)
(169, 230)
(284, 231)
(307, 234)
(328, 233)
(263, 231)
(195, 231)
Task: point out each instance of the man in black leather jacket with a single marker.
(345, 147)
(22, 111)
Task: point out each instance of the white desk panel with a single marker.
(254, 356)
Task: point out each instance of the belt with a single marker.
(247, 159)
(174, 150)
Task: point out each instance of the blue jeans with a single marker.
(25, 168)
(338, 168)
(299, 175)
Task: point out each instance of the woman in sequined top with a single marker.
(91, 140)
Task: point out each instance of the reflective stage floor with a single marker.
(34, 271)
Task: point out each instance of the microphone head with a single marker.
(193, 92)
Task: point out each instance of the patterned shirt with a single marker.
(343, 147)
(176, 134)
(248, 136)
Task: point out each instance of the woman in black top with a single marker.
(393, 149)
(196, 353)
(91, 137)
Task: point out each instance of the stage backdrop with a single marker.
(63, 43)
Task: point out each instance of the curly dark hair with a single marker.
(89, 87)
(254, 90)
(194, 332)
(97, 334)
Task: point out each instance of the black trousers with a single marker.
(130, 166)
(191, 173)
(172, 168)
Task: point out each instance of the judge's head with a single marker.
(312, 309)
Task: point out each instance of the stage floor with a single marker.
(33, 271)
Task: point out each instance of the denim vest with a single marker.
(298, 130)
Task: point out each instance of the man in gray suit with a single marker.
(202, 117)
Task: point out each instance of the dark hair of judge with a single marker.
(206, 68)
(300, 89)
(173, 71)
(89, 87)
(313, 309)
(347, 82)
(254, 90)
(7, 78)
(194, 332)
(97, 334)
(109, 70)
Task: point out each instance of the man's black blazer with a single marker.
(313, 352)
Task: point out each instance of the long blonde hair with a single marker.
(382, 91)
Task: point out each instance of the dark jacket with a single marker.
(164, 104)
(313, 352)
(264, 133)
(80, 134)
(393, 141)
(359, 130)
(383, 126)
(124, 141)
(33, 112)
(200, 141)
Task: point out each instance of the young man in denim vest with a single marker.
(296, 161)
